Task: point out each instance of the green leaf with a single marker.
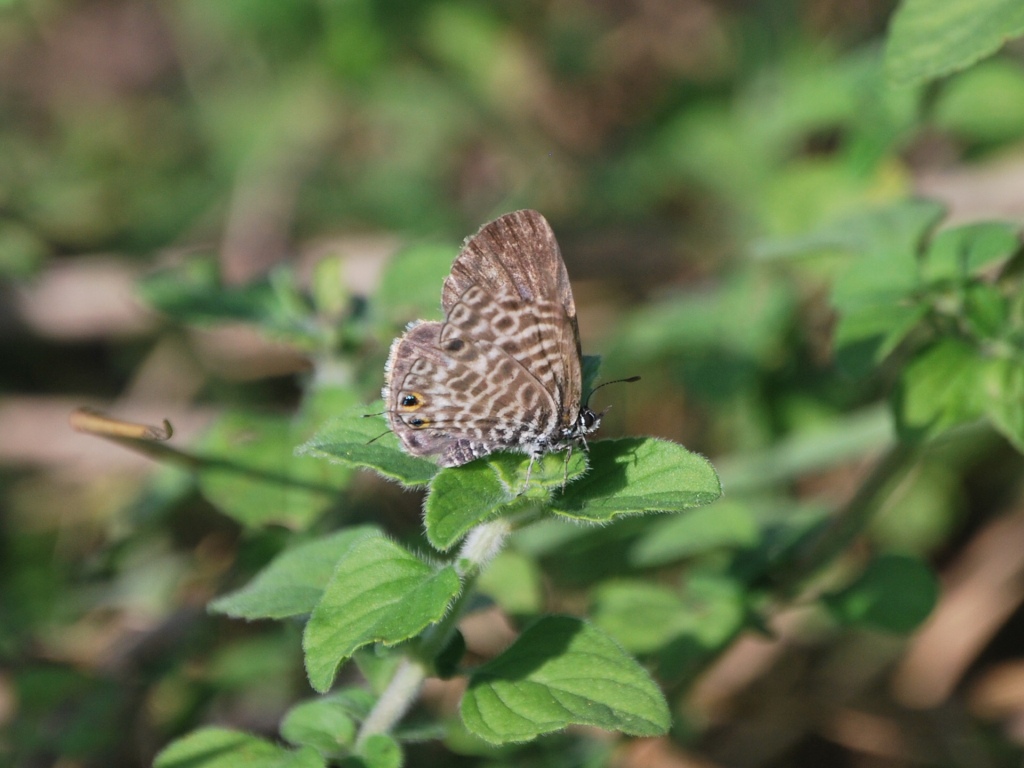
(941, 388)
(223, 748)
(867, 333)
(987, 311)
(293, 582)
(561, 671)
(922, 509)
(641, 616)
(838, 440)
(983, 105)
(357, 440)
(931, 38)
(875, 279)
(714, 611)
(899, 228)
(326, 724)
(548, 473)
(252, 662)
(381, 751)
(463, 497)
(380, 592)
(637, 475)
(411, 286)
(467, 39)
(513, 581)
(893, 229)
(330, 293)
(644, 617)
(1003, 390)
(744, 316)
(250, 471)
(956, 254)
(192, 293)
(548, 536)
(378, 665)
(895, 593)
(722, 524)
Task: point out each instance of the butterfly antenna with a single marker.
(378, 437)
(630, 380)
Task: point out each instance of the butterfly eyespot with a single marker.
(411, 402)
(417, 422)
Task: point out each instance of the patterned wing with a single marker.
(460, 399)
(509, 287)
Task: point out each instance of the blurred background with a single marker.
(177, 178)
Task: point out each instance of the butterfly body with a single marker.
(502, 372)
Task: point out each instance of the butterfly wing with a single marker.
(509, 287)
(460, 400)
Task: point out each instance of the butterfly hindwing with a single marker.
(459, 402)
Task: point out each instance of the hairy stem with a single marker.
(395, 701)
(480, 547)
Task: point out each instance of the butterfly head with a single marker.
(588, 421)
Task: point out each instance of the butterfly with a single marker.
(503, 371)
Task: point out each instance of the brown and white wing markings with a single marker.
(461, 401)
(511, 281)
(515, 253)
(502, 372)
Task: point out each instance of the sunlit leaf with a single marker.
(721, 524)
(359, 440)
(560, 672)
(637, 475)
(931, 38)
(941, 388)
(223, 748)
(251, 472)
(379, 592)
(293, 582)
(463, 497)
(644, 617)
(959, 252)
(326, 724)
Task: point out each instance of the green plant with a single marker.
(362, 590)
(939, 313)
(849, 358)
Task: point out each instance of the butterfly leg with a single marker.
(529, 471)
(565, 468)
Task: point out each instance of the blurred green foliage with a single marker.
(733, 186)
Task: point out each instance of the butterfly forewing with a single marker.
(516, 253)
(502, 372)
(517, 256)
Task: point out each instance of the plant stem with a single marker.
(395, 701)
(480, 547)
